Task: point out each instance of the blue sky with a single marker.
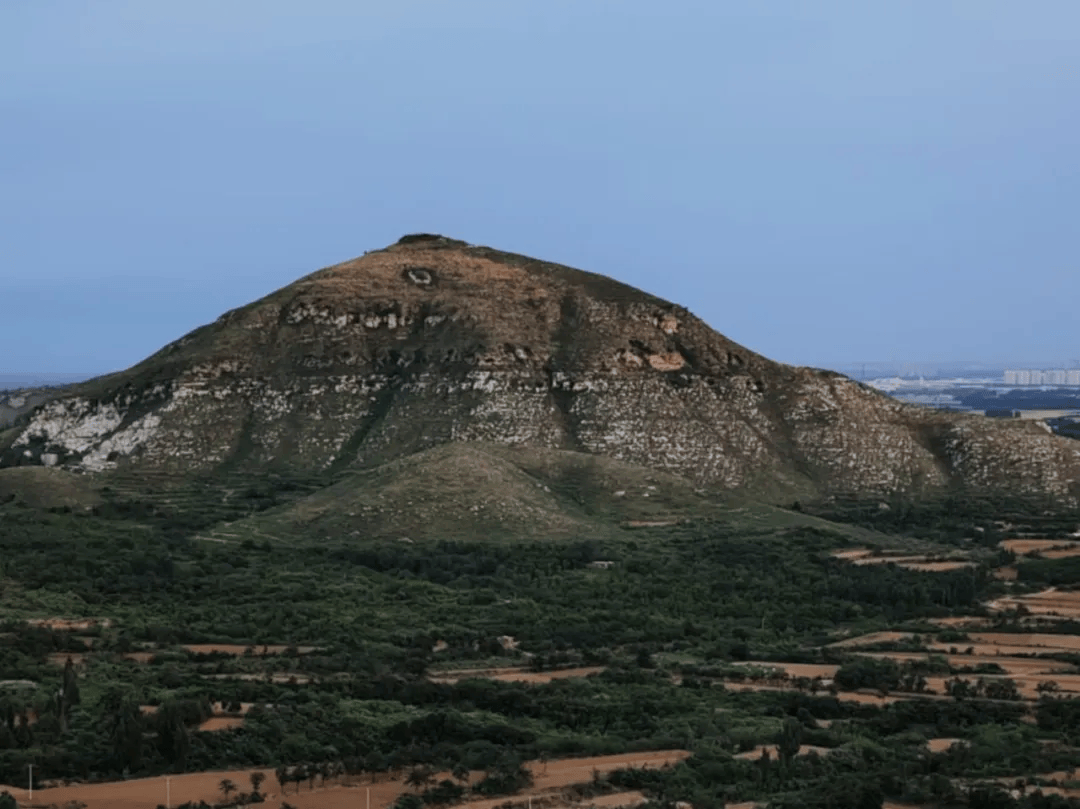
(824, 182)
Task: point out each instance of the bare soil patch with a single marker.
(579, 770)
(71, 624)
(1023, 546)
(1047, 603)
(1041, 642)
(61, 658)
(861, 697)
(1027, 684)
(881, 560)
(873, 637)
(514, 675)
(617, 799)
(941, 745)
(962, 620)
(854, 553)
(548, 676)
(1011, 665)
(80, 658)
(555, 799)
(988, 649)
(145, 792)
(1049, 782)
(141, 793)
(795, 669)
(935, 567)
(222, 723)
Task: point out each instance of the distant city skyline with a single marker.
(856, 370)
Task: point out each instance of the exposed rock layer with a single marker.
(432, 341)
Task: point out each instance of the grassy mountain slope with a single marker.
(492, 492)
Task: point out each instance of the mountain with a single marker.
(12, 382)
(432, 341)
(21, 393)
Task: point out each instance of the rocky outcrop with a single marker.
(17, 403)
(433, 341)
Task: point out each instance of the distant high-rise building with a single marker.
(1033, 376)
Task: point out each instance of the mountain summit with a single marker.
(433, 341)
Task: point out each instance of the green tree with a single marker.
(173, 739)
(256, 779)
(409, 801)
(227, 787)
(419, 777)
(124, 728)
(281, 773)
(790, 741)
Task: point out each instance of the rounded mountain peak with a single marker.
(432, 341)
(429, 300)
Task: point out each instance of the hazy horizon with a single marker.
(812, 180)
(15, 380)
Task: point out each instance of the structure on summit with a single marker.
(432, 341)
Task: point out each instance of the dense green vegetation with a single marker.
(668, 620)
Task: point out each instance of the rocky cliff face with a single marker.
(20, 401)
(433, 341)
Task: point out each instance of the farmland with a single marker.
(549, 781)
(376, 663)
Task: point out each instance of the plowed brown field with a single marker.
(1022, 546)
(79, 658)
(149, 792)
(222, 723)
(1011, 665)
(861, 697)
(1042, 642)
(873, 637)
(936, 567)
(990, 649)
(70, 624)
(853, 553)
(795, 669)
(962, 620)
(1048, 603)
(941, 745)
